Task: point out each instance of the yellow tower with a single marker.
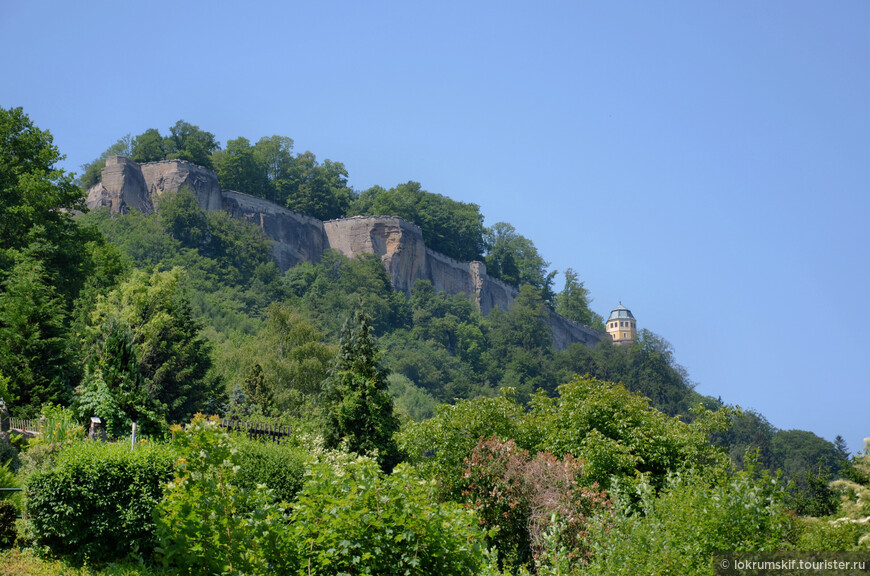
(622, 326)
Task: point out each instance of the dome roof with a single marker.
(620, 312)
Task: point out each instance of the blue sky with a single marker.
(705, 163)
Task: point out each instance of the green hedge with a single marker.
(96, 502)
(280, 467)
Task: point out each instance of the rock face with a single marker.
(298, 238)
(295, 237)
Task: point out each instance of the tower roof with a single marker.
(620, 312)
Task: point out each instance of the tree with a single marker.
(173, 355)
(360, 409)
(33, 339)
(113, 387)
(514, 259)
(318, 190)
(450, 227)
(183, 219)
(257, 392)
(275, 155)
(573, 302)
(37, 202)
(238, 169)
(189, 142)
(148, 147)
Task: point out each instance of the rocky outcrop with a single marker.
(122, 188)
(295, 237)
(298, 238)
(173, 175)
(127, 185)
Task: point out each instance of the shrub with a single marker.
(438, 446)
(97, 502)
(280, 467)
(8, 452)
(695, 514)
(535, 503)
(8, 517)
(352, 519)
(207, 523)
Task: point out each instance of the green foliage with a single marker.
(695, 515)
(854, 494)
(96, 502)
(450, 227)
(173, 356)
(336, 284)
(410, 400)
(238, 168)
(189, 142)
(33, 339)
(318, 190)
(181, 217)
(439, 446)
(514, 259)
(351, 519)
(114, 389)
(521, 344)
(616, 433)
(207, 523)
(279, 467)
(8, 518)
(359, 407)
(573, 302)
(148, 147)
(57, 425)
(534, 504)
(647, 367)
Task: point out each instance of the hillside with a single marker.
(173, 280)
(126, 185)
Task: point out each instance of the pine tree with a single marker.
(360, 409)
(33, 339)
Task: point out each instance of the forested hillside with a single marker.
(152, 318)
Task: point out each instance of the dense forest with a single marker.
(155, 318)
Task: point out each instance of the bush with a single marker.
(352, 519)
(8, 518)
(97, 502)
(280, 467)
(535, 503)
(207, 523)
(695, 514)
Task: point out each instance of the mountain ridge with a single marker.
(127, 185)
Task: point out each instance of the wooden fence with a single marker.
(258, 429)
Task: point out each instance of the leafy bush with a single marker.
(535, 503)
(617, 434)
(8, 453)
(96, 502)
(694, 515)
(352, 519)
(280, 467)
(8, 517)
(438, 446)
(206, 523)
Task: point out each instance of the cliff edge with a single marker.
(298, 238)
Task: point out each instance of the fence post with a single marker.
(133, 437)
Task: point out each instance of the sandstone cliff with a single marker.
(298, 238)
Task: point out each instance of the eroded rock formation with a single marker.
(298, 238)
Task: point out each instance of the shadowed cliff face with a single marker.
(298, 238)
